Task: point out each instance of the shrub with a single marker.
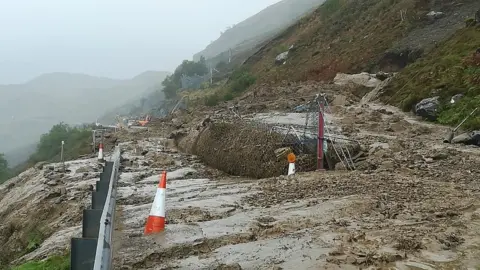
(228, 96)
(77, 142)
(241, 80)
(5, 172)
(212, 100)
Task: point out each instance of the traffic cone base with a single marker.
(291, 168)
(100, 152)
(154, 225)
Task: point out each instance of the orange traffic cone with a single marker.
(100, 152)
(156, 219)
(291, 163)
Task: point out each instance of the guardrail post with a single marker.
(83, 253)
(90, 223)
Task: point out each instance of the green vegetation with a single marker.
(350, 36)
(77, 142)
(212, 100)
(172, 84)
(452, 68)
(241, 80)
(281, 48)
(52, 263)
(330, 7)
(35, 239)
(5, 172)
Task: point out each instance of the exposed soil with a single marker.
(411, 203)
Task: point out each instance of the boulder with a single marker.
(469, 138)
(435, 15)
(428, 108)
(52, 182)
(456, 98)
(365, 79)
(40, 165)
(281, 58)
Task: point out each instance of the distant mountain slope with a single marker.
(29, 110)
(258, 28)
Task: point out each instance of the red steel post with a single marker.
(320, 138)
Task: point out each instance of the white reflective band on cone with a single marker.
(291, 168)
(158, 206)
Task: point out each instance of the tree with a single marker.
(4, 170)
(171, 84)
(170, 87)
(77, 142)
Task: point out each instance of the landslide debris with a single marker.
(240, 148)
(41, 209)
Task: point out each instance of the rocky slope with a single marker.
(41, 209)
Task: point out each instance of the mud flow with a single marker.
(410, 203)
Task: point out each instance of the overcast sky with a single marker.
(112, 38)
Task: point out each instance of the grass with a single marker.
(340, 36)
(239, 82)
(450, 69)
(52, 263)
(35, 239)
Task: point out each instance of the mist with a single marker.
(115, 39)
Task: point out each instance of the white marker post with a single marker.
(61, 157)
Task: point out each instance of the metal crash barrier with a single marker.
(94, 249)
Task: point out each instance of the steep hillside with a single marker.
(452, 68)
(258, 28)
(29, 110)
(354, 36)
